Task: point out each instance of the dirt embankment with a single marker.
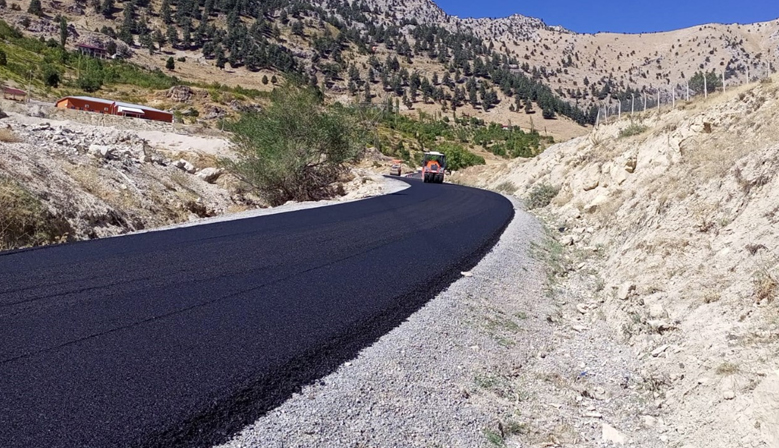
(73, 176)
(672, 220)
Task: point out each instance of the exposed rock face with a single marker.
(180, 94)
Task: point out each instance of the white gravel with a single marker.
(430, 381)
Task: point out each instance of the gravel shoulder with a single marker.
(501, 358)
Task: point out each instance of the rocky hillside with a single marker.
(671, 220)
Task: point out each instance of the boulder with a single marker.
(625, 290)
(591, 178)
(185, 166)
(180, 94)
(596, 203)
(210, 174)
(657, 311)
(611, 434)
(101, 151)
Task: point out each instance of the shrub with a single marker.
(541, 195)
(633, 129)
(506, 187)
(24, 221)
(458, 157)
(295, 149)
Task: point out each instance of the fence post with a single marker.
(705, 87)
(619, 111)
(688, 90)
(632, 103)
(658, 99)
(644, 101)
(723, 81)
(673, 98)
(747, 73)
(597, 119)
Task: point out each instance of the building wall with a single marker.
(94, 106)
(86, 105)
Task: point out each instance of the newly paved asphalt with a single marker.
(181, 337)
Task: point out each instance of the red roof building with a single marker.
(10, 93)
(110, 107)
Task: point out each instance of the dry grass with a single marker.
(727, 369)
(24, 220)
(8, 136)
(765, 286)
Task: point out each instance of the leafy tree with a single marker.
(713, 82)
(90, 80)
(35, 8)
(50, 75)
(273, 79)
(3, 58)
(295, 148)
(165, 12)
(170, 64)
(265, 79)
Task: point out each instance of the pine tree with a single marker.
(273, 79)
(264, 79)
(170, 64)
(107, 8)
(63, 31)
(165, 12)
(35, 8)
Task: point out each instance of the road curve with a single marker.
(182, 337)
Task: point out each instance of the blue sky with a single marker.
(624, 16)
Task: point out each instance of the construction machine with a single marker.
(433, 167)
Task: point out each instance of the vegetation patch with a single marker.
(633, 129)
(541, 195)
(296, 148)
(24, 221)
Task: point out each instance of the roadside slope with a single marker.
(681, 206)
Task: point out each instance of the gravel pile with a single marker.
(427, 382)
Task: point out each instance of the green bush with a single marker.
(458, 157)
(295, 149)
(541, 195)
(633, 129)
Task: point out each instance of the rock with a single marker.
(648, 421)
(466, 274)
(728, 395)
(582, 308)
(184, 165)
(591, 178)
(101, 151)
(659, 350)
(180, 94)
(625, 290)
(41, 127)
(210, 174)
(630, 164)
(3, 114)
(657, 311)
(611, 434)
(596, 203)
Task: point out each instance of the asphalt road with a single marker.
(181, 337)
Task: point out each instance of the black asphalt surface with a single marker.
(181, 337)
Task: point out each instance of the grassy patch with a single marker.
(494, 438)
(727, 369)
(541, 195)
(24, 220)
(633, 129)
(506, 187)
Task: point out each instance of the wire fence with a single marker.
(659, 98)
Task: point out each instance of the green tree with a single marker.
(63, 31)
(170, 64)
(50, 75)
(3, 58)
(90, 80)
(107, 8)
(273, 79)
(296, 148)
(713, 82)
(265, 79)
(35, 8)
